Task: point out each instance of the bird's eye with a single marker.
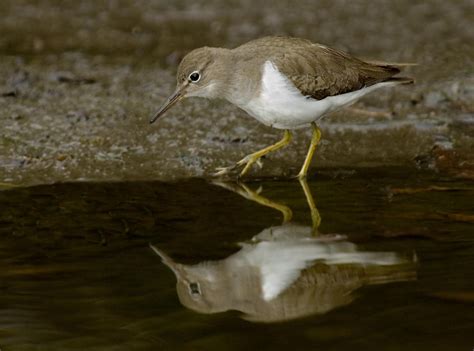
(194, 289)
(194, 77)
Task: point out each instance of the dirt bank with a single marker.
(79, 81)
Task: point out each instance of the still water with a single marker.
(378, 260)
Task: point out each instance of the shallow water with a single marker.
(389, 266)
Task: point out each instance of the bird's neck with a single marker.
(242, 78)
(220, 68)
(236, 79)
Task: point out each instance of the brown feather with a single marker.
(318, 71)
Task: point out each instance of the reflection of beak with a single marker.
(177, 95)
(168, 261)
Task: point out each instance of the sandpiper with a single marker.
(285, 83)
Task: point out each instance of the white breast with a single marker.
(281, 262)
(281, 105)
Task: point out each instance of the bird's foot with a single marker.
(300, 176)
(246, 163)
(223, 171)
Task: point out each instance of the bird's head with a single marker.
(200, 73)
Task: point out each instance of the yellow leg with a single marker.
(249, 160)
(312, 147)
(315, 216)
(254, 195)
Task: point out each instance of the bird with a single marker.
(286, 271)
(285, 83)
(288, 276)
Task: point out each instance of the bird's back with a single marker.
(317, 71)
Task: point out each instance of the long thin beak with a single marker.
(168, 261)
(173, 99)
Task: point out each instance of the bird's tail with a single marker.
(388, 71)
(401, 80)
(399, 65)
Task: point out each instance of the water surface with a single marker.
(389, 265)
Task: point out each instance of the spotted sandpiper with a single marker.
(287, 271)
(285, 83)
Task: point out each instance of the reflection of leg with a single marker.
(312, 147)
(249, 160)
(244, 191)
(315, 217)
(255, 196)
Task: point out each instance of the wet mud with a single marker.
(79, 81)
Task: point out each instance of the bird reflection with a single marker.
(285, 272)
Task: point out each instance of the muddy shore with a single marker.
(80, 80)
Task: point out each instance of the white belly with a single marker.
(281, 105)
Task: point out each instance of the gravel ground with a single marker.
(79, 81)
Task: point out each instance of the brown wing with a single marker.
(322, 72)
(319, 71)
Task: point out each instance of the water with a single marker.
(388, 267)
